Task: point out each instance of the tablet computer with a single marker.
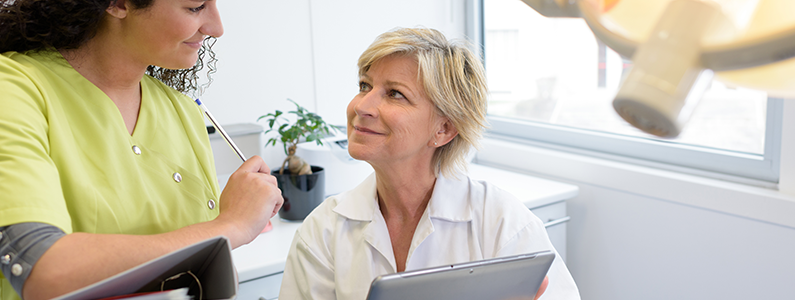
(510, 277)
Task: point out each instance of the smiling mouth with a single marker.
(194, 44)
(364, 130)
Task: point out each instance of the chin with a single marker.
(357, 152)
(178, 66)
(183, 61)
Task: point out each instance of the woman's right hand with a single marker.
(542, 288)
(249, 200)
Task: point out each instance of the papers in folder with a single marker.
(178, 294)
(210, 261)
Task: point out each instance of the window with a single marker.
(552, 82)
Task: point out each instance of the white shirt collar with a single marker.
(449, 200)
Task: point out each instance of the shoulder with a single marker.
(336, 214)
(38, 75)
(488, 204)
(488, 199)
(18, 58)
(321, 218)
(12, 60)
(503, 216)
(317, 232)
(33, 61)
(321, 224)
(20, 83)
(23, 68)
(27, 81)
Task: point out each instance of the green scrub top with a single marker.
(67, 159)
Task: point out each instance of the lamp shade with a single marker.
(677, 45)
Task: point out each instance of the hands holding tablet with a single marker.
(542, 288)
(540, 292)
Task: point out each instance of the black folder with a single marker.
(209, 260)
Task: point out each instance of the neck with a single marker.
(404, 192)
(106, 67)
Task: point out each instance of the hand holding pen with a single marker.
(251, 196)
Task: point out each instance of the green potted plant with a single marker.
(302, 184)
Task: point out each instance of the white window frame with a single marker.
(761, 170)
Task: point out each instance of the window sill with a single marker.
(754, 200)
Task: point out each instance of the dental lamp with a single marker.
(678, 46)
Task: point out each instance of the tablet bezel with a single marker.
(511, 277)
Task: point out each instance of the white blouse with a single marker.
(344, 243)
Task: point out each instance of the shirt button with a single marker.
(136, 150)
(211, 203)
(16, 269)
(177, 177)
(5, 259)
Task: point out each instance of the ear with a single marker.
(118, 9)
(444, 134)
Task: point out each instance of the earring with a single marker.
(434, 143)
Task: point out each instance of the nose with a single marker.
(367, 104)
(212, 24)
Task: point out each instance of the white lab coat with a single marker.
(344, 243)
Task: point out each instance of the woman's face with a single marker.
(391, 119)
(169, 33)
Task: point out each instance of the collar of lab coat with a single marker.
(449, 200)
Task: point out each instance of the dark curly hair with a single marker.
(68, 24)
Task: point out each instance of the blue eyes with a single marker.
(364, 87)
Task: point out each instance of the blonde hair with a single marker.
(453, 79)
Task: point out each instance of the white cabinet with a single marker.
(555, 218)
(263, 288)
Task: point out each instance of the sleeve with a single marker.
(21, 246)
(306, 275)
(531, 238)
(29, 179)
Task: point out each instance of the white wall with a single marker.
(342, 30)
(628, 246)
(265, 57)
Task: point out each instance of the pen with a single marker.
(221, 130)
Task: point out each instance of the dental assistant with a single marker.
(104, 162)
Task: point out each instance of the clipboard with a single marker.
(209, 260)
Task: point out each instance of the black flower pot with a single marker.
(301, 193)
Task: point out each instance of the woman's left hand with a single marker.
(542, 288)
